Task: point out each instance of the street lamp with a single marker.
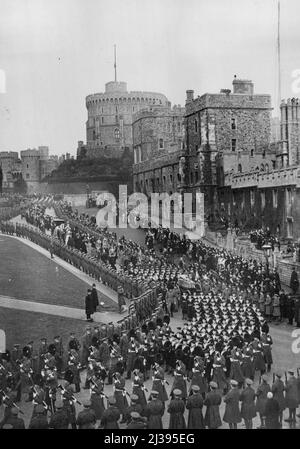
(267, 253)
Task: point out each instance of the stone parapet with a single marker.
(282, 177)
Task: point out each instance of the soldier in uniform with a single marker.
(137, 421)
(42, 351)
(213, 401)
(261, 395)
(219, 371)
(291, 398)
(176, 410)
(198, 377)
(154, 411)
(132, 354)
(97, 395)
(232, 413)
(180, 379)
(40, 421)
(278, 394)
(8, 400)
(247, 398)
(159, 383)
(59, 354)
(86, 342)
(73, 343)
(138, 387)
(267, 342)
(67, 393)
(104, 353)
(14, 421)
(86, 419)
(111, 415)
(120, 394)
(59, 419)
(194, 405)
(73, 366)
(134, 406)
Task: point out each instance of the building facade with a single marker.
(11, 168)
(36, 165)
(109, 123)
(158, 146)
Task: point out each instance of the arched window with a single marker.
(161, 144)
(117, 133)
(240, 168)
(252, 153)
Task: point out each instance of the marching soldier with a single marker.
(59, 354)
(120, 394)
(111, 415)
(232, 411)
(267, 342)
(73, 366)
(261, 395)
(137, 422)
(159, 383)
(236, 368)
(40, 421)
(154, 411)
(86, 419)
(219, 371)
(67, 394)
(9, 401)
(86, 342)
(212, 401)
(73, 343)
(291, 398)
(198, 377)
(176, 409)
(180, 379)
(134, 406)
(97, 395)
(247, 398)
(132, 354)
(14, 421)
(59, 419)
(51, 384)
(278, 394)
(194, 405)
(138, 387)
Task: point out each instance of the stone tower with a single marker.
(290, 130)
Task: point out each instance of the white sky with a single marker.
(55, 52)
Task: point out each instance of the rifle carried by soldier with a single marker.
(72, 397)
(5, 397)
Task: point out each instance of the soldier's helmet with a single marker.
(52, 349)
(69, 376)
(6, 356)
(26, 351)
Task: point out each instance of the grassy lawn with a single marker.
(28, 275)
(22, 326)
